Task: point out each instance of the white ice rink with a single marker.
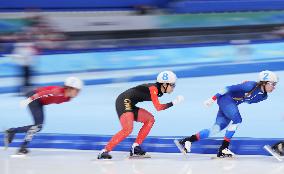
(56, 161)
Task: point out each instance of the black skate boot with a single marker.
(104, 155)
(137, 151)
(8, 138)
(224, 150)
(22, 151)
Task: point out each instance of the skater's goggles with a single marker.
(172, 85)
(272, 83)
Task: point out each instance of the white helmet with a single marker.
(267, 76)
(74, 82)
(166, 77)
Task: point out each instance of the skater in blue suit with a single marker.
(228, 100)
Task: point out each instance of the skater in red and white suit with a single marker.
(35, 100)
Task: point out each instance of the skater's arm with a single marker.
(27, 101)
(209, 102)
(38, 95)
(46, 93)
(246, 86)
(155, 100)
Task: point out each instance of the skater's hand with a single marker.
(25, 103)
(178, 100)
(209, 102)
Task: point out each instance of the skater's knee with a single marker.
(233, 127)
(215, 129)
(39, 127)
(127, 130)
(36, 128)
(151, 121)
(32, 131)
(204, 134)
(223, 126)
(237, 120)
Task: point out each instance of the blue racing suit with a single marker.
(228, 100)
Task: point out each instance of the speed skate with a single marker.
(139, 156)
(18, 155)
(271, 151)
(181, 149)
(226, 158)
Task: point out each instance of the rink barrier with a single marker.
(9, 46)
(77, 5)
(183, 6)
(241, 146)
(213, 6)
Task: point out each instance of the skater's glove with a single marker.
(25, 103)
(178, 100)
(209, 102)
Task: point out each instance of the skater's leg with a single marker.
(231, 111)
(220, 123)
(148, 120)
(126, 121)
(38, 115)
(36, 109)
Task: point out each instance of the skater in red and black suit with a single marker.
(128, 112)
(35, 100)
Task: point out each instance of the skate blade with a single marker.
(139, 156)
(102, 159)
(221, 158)
(180, 148)
(6, 143)
(271, 152)
(18, 156)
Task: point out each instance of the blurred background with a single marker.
(116, 44)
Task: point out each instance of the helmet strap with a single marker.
(165, 88)
(263, 84)
(159, 86)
